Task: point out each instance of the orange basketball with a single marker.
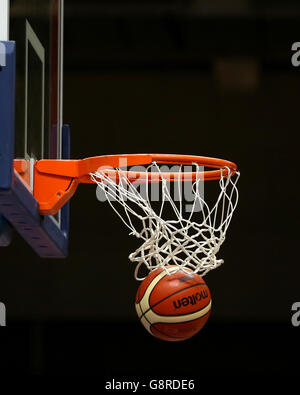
(173, 306)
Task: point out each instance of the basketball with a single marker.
(173, 305)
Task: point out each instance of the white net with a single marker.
(173, 231)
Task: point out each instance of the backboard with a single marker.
(36, 27)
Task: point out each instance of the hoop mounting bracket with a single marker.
(56, 181)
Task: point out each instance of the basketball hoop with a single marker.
(170, 234)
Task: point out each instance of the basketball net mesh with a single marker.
(190, 240)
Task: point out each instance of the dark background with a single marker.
(197, 77)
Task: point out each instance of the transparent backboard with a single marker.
(37, 28)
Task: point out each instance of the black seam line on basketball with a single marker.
(182, 315)
(145, 319)
(139, 293)
(151, 307)
(141, 309)
(162, 333)
(162, 300)
(165, 274)
(140, 299)
(173, 323)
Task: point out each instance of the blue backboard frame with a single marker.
(17, 204)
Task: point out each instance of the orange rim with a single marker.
(57, 180)
(224, 167)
